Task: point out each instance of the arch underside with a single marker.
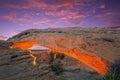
(97, 63)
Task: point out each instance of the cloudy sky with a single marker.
(19, 15)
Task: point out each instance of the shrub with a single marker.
(56, 55)
(60, 56)
(52, 55)
(57, 68)
(113, 73)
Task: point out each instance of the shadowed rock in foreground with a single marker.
(95, 47)
(16, 64)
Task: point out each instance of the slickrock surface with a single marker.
(95, 47)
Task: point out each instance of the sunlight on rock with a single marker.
(97, 63)
(23, 44)
(93, 61)
(34, 58)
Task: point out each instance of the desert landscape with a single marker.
(88, 54)
(59, 39)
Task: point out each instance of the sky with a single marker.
(19, 15)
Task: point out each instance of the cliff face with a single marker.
(95, 47)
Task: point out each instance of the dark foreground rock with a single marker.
(16, 64)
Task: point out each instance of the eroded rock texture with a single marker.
(95, 47)
(16, 64)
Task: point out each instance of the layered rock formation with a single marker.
(95, 47)
(16, 64)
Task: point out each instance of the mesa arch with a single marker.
(77, 43)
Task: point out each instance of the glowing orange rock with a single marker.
(34, 58)
(23, 44)
(97, 63)
(93, 61)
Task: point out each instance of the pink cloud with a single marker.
(30, 4)
(108, 17)
(3, 37)
(41, 21)
(67, 18)
(21, 24)
(12, 17)
(108, 14)
(66, 14)
(57, 13)
(72, 16)
(35, 3)
(65, 3)
(43, 4)
(20, 19)
(102, 6)
(26, 19)
(8, 17)
(76, 15)
(94, 10)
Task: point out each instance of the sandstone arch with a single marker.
(80, 44)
